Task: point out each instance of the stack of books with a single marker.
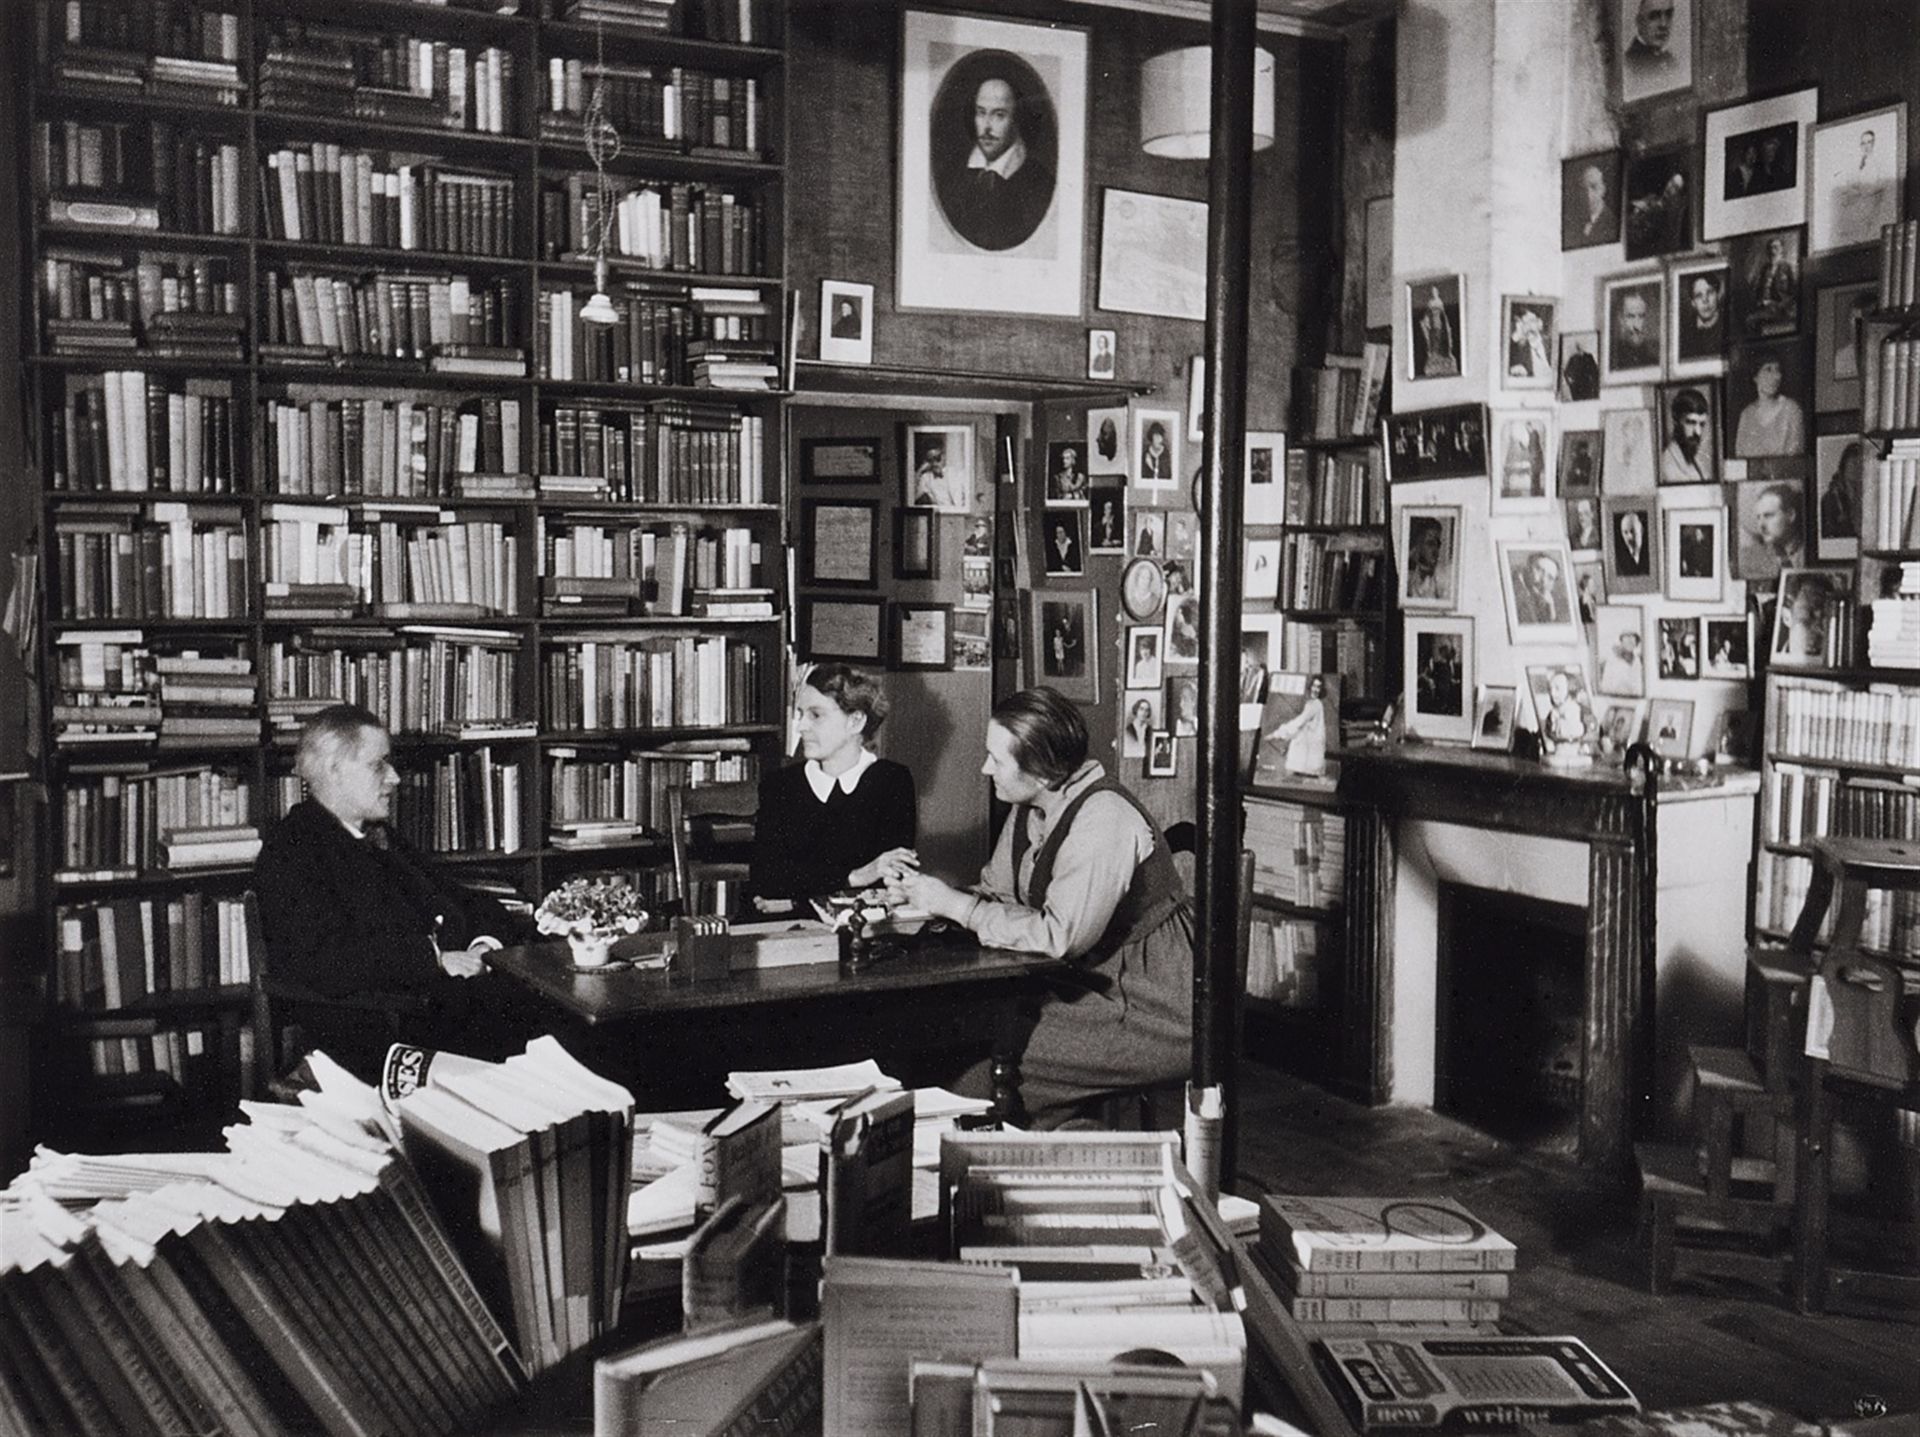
(1299, 852)
(1342, 399)
(225, 845)
(196, 82)
(1893, 640)
(207, 700)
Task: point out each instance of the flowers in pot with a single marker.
(592, 913)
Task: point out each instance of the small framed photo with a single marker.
(1630, 339)
(978, 542)
(850, 629)
(1429, 551)
(1064, 541)
(1066, 628)
(1764, 275)
(1067, 473)
(1437, 675)
(1183, 704)
(1620, 724)
(1689, 414)
(1156, 448)
(1266, 492)
(1523, 476)
(1755, 161)
(1527, 320)
(1726, 646)
(1260, 583)
(1583, 523)
(1107, 518)
(1670, 727)
(1143, 589)
(1679, 647)
(1107, 442)
(1802, 632)
(916, 543)
(1536, 579)
(1654, 43)
(840, 461)
(1859, 178)
(1182, 647)
(1838, 462)
(1770, 528)
(1590, 200)
(1579, 366)
(976, 583)
(1449, 443)
(1697, 295)
(1632, 549)
(1628, 440)
(1143, 657)
(1620, 642)
(846, 322)
(972, 642)
(938, 473)
(1590, 586)
(840, 542)
(922, 636)
(1436, 313)
(1149, 534)
(1696, 554)
(1196, 398)
(1838, 311)
(1143, 708)
(1101, 362)
(1493, 707)
(1660, 202)
(1563, 711)
(1769, 392)
(1162, 761)
(1581, 454)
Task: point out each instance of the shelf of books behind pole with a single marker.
(318, 418)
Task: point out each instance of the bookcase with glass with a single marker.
(421, 356)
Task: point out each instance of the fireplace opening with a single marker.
(1511, 1001)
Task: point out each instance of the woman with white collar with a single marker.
(845, 818)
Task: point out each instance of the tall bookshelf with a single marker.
(315, 417)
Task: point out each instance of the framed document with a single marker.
(840, 461)
(1153, 255)
(923, 636)
(841, 629)
(840, 542)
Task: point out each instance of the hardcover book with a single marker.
(1448, 1384)
(1382, 1234)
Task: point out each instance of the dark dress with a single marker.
(344, 916)
(803, 848)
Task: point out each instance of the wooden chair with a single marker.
(701, 819)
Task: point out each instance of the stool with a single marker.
(1860, 1043)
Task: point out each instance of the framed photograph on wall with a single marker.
(1769, 396)
(1838, 310)
(846, 322)
(840, 461)
(1579, 366)
(1449, 443)
(922, 636)
(1620, 641)
(840, 543)
(1653, 41)
(986, 97)
(916, 543)
(1582, 462)
(938, 472)
(1260, 578)
(1143, 708)
(1697, 300)
(1659, 189)
(1632, 322)
(1063, 541)
(1670, 727)
(1493, 708)
(1800, 631)
(1631, 549)
(1764, 277)
(1266, 493)
(1590, 200)
(1689, 414)
(1107, 519)
(1143, 656)
(1066, 650)
(1536, 580)
(1153, 255)
(1107, 435)
(1523, 449)
(1563, 711)
(1143, 589)
(850, 629)
(1838, 465)
(1436, 326)
(1620, 724)
(1183, 704)
(1437, 675)
(1679, 647)
(1428, 544)
(972, 642)
(1156, 448)
(1590, 585)
(1067, 473)
(1527, 321)
(1582, 513)
(1726, 646)
(1627, 436)
(1755, 164)
(1100, 353)
(1770, 528)
(1162, 754)
(1859, 178)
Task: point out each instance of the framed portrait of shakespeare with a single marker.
(993, 164)
(1859, 178)
(1653, 42)
(1754, 164)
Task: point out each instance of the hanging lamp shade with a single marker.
(1176, 109)
(599, 309)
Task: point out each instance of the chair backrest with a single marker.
(699, 816)
(266, 1038)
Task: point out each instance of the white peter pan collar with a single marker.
(822, 784)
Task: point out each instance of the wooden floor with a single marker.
(1580, 1270)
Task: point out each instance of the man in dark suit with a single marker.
(1630, 555)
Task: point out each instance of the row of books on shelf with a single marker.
(132, 818)
(1893, 636)
(330, 562)
(450, 321)
(1332, 571)
(1781, 880)
(1893, 499)
(1799, 803)
(174, 564)
(705, 336)
(740, 22)
(1299, 852)
(157, 1060)
(1341, 399)
(1331, 487)
(598, 799)
(699, 228)
(664, 563)
(1283, 960)
(1815, 720)
(666, 452)
(115, 954)
(650, 681)
(127, 431)
(416, 679)
(153, 28)
(327, 193)
(110, 687)
(1900, 264)
(400, 448)
(336, 70)
(1342, 647)
(671, 107)
(117, 73)
(126, 176)
(174, 305)
(1890, 379)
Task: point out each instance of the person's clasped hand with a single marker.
(469, 962)
(888, 866)
(914, 889)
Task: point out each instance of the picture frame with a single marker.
(1493, 714)
(837, 460)
(1063, 542)
(1065, 639)
(1182, 647)
(1536, 583)
(846, 322)
(1801, 634)
(1162, 755)
(937, 467)
(1839, 469)
(1293, 723)
(1563, 713)
(1620, 724)
(1107, 518)
(1153, 255)
(972, 642)
(1102, 358)
(1670, 727)
(922, 636)
(1142, 709)
(1066, 479)
(840, 543)
(1157, 434)
(1764, 277)
(1437, 675)
(1148, 528)
(836, 628)
(1449, 443)
(1726, 646)
(1582, 514)
(1427, 546)
(1688, 412)
(1107, 441)
(1436, 326)
(1633, 327)
(1679, 647)
(916, 543)
(1697, 299)
(1659, 187)
(1183, 705)
(1260, 580)
(1590, 200)
(1627, 436)
(1196, 398)
(1653, 48)
(1838, 312)
(1579, 366)
(1582, 463)
(1631, 552)
(1858, 178)
(1770, 528)
(1763, 425)
(1528, 323)
(1620, 649)
(1143, 656)
(1755, 158)
(976, 583)
(1589, 586)
(1143, 589)
(1265, 499)
(1523, 468)
(1015, 248)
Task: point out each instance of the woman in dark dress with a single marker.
(845, 818)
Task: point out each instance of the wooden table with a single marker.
(675, 1041)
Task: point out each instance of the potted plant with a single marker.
(593, 913)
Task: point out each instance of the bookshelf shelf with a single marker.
(379, 257)
(276, 125)
(227, 120)
(599, 736)
(154, 880)
(1334, 441)
(665, 164)
(154, 1003)
(435, 19)
(572, 37)
(1844, 765)
(816, 376)
(67, 236)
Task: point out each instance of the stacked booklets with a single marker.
(740, 1380)
(1384, 1259)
